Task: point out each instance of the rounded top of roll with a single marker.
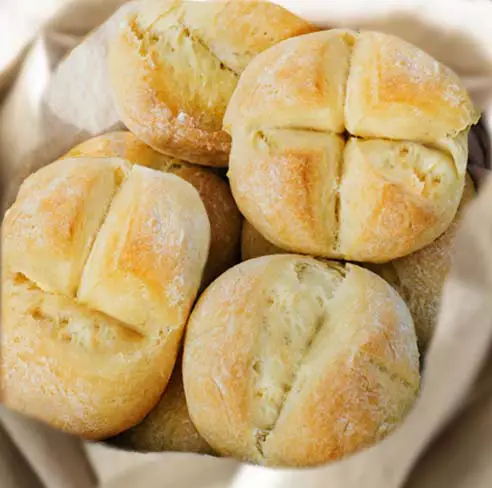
(367, 84)
(101, 263)
(349, 145)
(79, 225)
(174, 65)
(289, 361)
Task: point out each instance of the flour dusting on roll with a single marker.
(292, 362)
(225, 219)
(174, 65)
(349, 145)
(101, 264)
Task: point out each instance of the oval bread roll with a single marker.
(225, 219)
(101, 264)
(175, 64)
(349, 145)
(292, 362)
(420, 277)
(168, 427)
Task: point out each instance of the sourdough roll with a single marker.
(168, 426)
(225, 219)
(289, 361)
(420, 277)
(101, 264)
(349, 145)
(174, 65)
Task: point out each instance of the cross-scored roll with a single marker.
(349, 145)
(224, 216)
(289, 361)
(175, 64)
(101, 264)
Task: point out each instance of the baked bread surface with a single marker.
(168, 427)
(101, 264)
(175, 64)
(224, 216)
(292, 362)
(254, 245)
(349, 145)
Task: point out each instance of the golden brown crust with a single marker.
(293, 172)
(395, 198)
(168, 426)
(292, 362)
(298, 84)
(381, 157)
(174, 66)
(287, 173)
(397, 91)
(254, 245)
(101, 264)
(124, 145)
(420, 277)
(225, 219)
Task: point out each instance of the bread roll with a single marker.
(168, 427)
(102, 262)
(174, 65)
(254, 245)
(349, 145)
(420, 277)
(225, 219)
(292, 362)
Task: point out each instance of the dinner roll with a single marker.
(349, 145)
(101, 264)
(420, 277)
(225, 219)
(289, 361)
(254, 245)
(174, 65)
(168, 426)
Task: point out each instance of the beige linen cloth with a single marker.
(54, 94)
